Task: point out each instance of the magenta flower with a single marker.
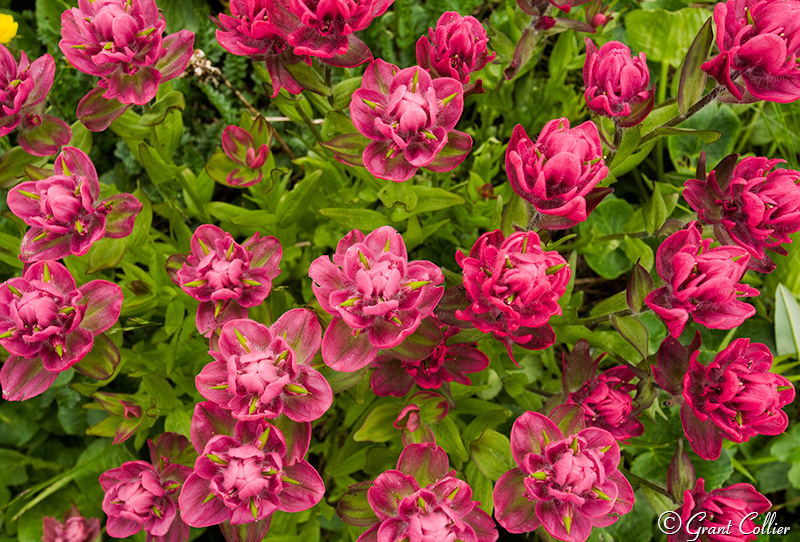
(248, 157)
(63, 212)
(140, 496)
(566, 483)
(74, 528)
(421, 500)
(701, 281)
(455, 48)
(753, 205)
(121, 42)
(737, 505)
(617, 83)
(328, 27)
(245, 471)
(376, 296)
(48, 325)
(224, 276)
(759, 44)
(260, 372)
(23, 89)
(395, 374)
(513, 287)
(735, 397)
(410, 119)
(607, 403)
(558, 174)
(258, 29)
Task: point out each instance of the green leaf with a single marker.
(101, 361)
(106, 254)
(343, 92)
(693, 78)
(429, 199)
(491, 453)
(402, 193)
(378, 425)
(362, 219)
(157, 112)
(633, 331)
(82, 138)
(685, 149)
(449, 437)
(654, 211)
(787, 322)
(292, 207)
(607, 258)
(664, 35)
(159, 171)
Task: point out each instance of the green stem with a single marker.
(592, 321)
(308, 123)
(662, 96)
(674, 121)
(646, 483)
(187, 185)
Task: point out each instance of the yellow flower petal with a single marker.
(8, 28)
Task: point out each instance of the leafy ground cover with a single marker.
(386, 271)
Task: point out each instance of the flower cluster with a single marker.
(736, 396)
(24, 86)
(752, 205)
(421, 500)
(224, 276)
(607, 403)
(122, 42)
(63, 211)
(513, 287)
(74, 528)
(283, 33)
(558, 174)
(260, 372)
(48, 325)
(703, 282)
(758, 50)
(141, 495)
(396, 372)
(617, 84)
(409, 118)
(736, 505)
(376, 296)
(456, 48)
(566, 483)
(245, 471)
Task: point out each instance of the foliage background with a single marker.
(46, 457)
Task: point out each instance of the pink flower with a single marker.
(455, 48)
(607, 403)
(421, 500)
(224, 276)
(240, 146)
(258, 29)
(245, 471)
(23, 89)
(423, 407)
(376, 296)
(759, 43)
(568, 484)
(735, 397)
(617, 84)
(558, 174)
(328, 26)
(121, 42)
(395, 374)
(260, 372)
(753, 206)
(63, 212)
(513, 287)
(74, 528)
(701, 281)
(410, 119)
(736, 505)
(140, 496)
(48, 325)
(567, 5)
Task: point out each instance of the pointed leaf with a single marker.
(491, 453)
(101, 361)
(633, 331)
(693, 79)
